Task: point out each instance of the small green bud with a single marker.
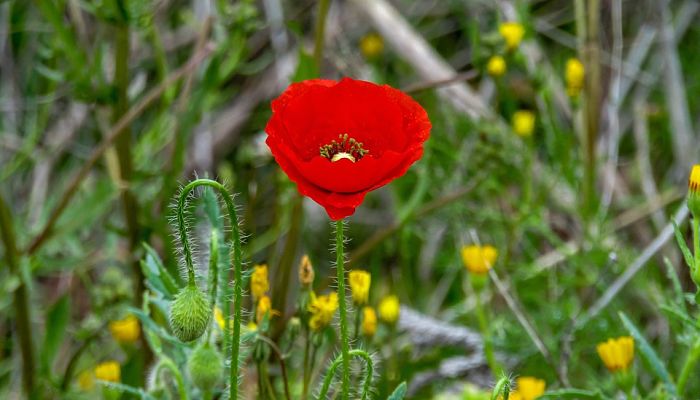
(206, 367)
(189, 314)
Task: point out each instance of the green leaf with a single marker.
(399, 392)
(648, 354)
(572, 394)
(683, 246)
(157, 276)
(306, 68)
(677, 288)
(56, 322)
(502, 387)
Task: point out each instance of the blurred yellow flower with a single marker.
(479, 259)
(575, 75)
(259, 283)
(109, 371)
(369, 321)
(523, 123)
(219, 317)
(496, 66)
(306, 271)
(359, 284)
(389, 309)
(125, 330)
(371, 45)
(264, 307)
(252, 326)
(322, 309)
(528, 388)
(86, 381)
(512, 33)
(617, 354)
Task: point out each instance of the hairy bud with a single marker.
(189, 314)
(205, 366)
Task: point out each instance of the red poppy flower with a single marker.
(339, 140)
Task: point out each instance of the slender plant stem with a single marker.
(283, 367)
(484, 326)
(170, 366)
(696, 245)
(307, 372)
(236, 257)
(21, 301)
(591, 57)
(688, 367)
(344, 341)
(213, 271)
(323, 6)
(331, 371)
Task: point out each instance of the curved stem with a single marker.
(283, 367)
(344, 343)
(233, 333)
(329, 376)
(170, 366)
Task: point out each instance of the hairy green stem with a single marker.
(21, 300)
(323, 6)
(344, 341)
(213, 271)
(341, 359)
(232, 333)
(170, 366)
(306, 373)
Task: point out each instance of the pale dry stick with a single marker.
(685, 16)
(514, 306)
(422, 57)
(639, 263)
(674, 89)
(58, 138)
(116, 130)
(612, 107)
(641, 137)
(630, 70)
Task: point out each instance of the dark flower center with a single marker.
(345, 148)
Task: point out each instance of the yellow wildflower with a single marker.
(259, 283)
(575, 74)
(479, 259)
(86, 381)
(109, 371)
(528, 388)
(252, 326)
(523, 123)
(617, 354)
(306, 272)
(264, 307)
(322, 309)
(389, 309)
(496, 66)
(694, 192)
(359, 285)
(125, 330)
(512, 33)
(371, 45)
(369, 321)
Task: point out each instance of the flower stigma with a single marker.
(346, 148)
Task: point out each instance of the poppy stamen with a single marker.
(345, 148)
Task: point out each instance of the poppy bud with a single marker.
(189, 314)
(206, 367)
(306, 272)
